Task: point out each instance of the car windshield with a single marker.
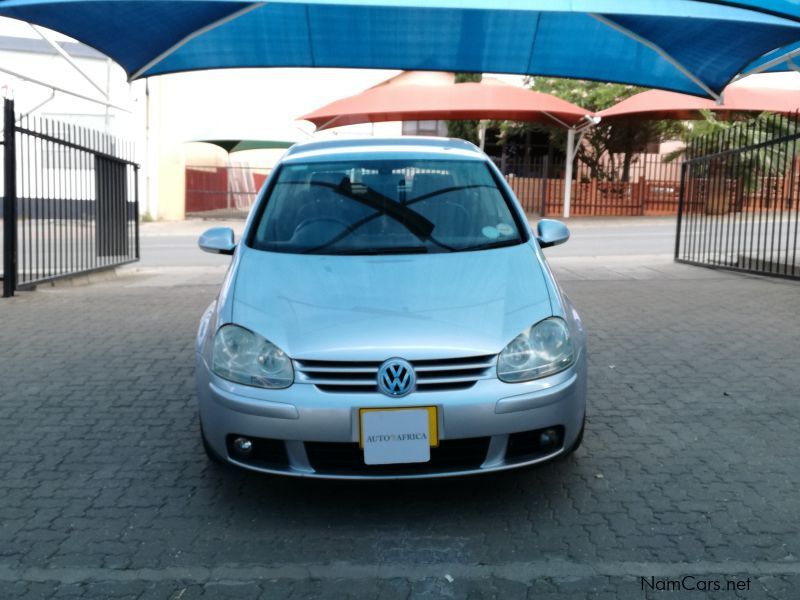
(397, 206)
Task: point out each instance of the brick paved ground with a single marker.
(689, 465)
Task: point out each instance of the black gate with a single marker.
(70, 201)
(739, 202)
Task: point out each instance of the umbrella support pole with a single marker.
(574, 138)
(568, 170)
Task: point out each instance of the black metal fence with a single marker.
(647, 185)
(740, 199)
(70, 201)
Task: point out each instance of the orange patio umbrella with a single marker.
(489, 99)
(658, 104)
(395, 100)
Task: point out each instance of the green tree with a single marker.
(711, 135)
(466, 130)
(755, 165)
(603, 142)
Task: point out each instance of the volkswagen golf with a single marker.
(389, 313)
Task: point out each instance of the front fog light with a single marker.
(243, 445)
(549, 437)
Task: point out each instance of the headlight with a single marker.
(245, 357)
(543, 350)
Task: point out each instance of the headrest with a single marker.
(328, 179)
(426, 183)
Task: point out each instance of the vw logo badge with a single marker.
(396, 377)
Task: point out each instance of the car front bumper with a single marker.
(302, 431)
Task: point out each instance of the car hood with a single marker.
(415, 306)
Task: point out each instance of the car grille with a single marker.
(348, 459)
(361, 377)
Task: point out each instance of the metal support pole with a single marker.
(137, 248)
(568, 170)
(545, 173)
(65, 55)
(62, 90)
(38, 106)
(681, 208)
(9, 200)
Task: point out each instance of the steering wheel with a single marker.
(314, 220)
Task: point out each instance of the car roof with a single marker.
(428, 147)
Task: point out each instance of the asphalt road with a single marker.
(618, 237)
(175, 244)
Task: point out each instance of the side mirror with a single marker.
(550, 232)
(217, 240)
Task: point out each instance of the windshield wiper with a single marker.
(489, 245)
(418, 225)
(448, 190)
(377, 251)
(410, 219)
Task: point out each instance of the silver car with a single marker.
(388, 313)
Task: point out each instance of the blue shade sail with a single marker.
(682, 45)
(782, 59)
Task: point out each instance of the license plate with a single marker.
(398, 435)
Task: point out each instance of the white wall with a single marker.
(246, 104)
(239, 104)
(54, 70)
(169, 111)
(782, 81)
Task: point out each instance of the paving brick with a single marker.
(694, 431)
